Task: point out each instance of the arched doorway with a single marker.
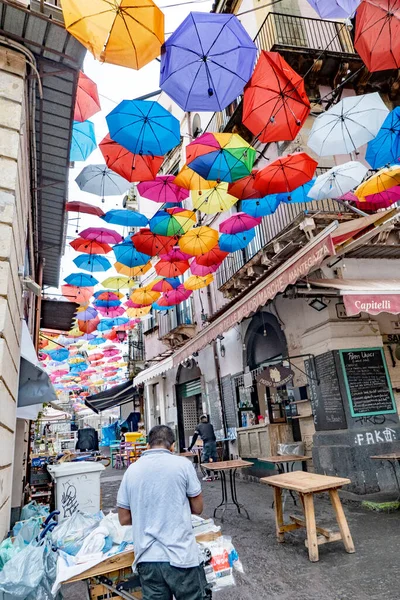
(188, 401)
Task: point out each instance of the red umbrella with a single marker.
(213, 257)
(102, 235)
(87, 101)
(84, 207)
(90, 246)
(275, 103)
(244, 188)
(377, 36)
(285, 174)
(168, 267)
(95, 357)
(151, 243)
(132, 167)
(88, 326)
(162, 190)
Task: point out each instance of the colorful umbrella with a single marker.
(126, 218)
(95, 356)
(107, 295)
(132, 167)
(144, 297)
(112, 311)
(243, 188)
(379, 182)
(377, 36)
(101, 235)
(169, 267)
(190, 180)
(374, 202)
(338, 181)
(174, 297)
(81, 280)
(164, 285)
(207, 61)
(84, 207)
(128, 255)
(118, 282)
(101, 181)
(347, 125)
(261, 207)
(196, 282)
(215, 200)
(80, 295)
(117, 32)
(92, 262)
(199, 240)
(152, 243)
(285, 174)
(59, 355)
(138, 312)
(144, 127)
(90, 246)
(275, 103)
(237, 241)
(335, 9)
(86, 313)
(132, 271)
(239, 222)
(83, 141)
(202, 271)
(176, 254)
(220, 156)
(299, 195)
(88, 326)
(87, 101)
(385, 148)
(178, 223)
(162, 189)
(212, 257)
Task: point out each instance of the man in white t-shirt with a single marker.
(158, 495)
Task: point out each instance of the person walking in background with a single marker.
(206, 432)
(157, 496)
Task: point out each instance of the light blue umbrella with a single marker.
(127, 255)
(237, 241)
(101, 181)
(92, 262)
(81, 280)
(119, 321)
(126, 218)
(105, 325)
(97, 341)
(261, 207)
(385, 148)
(58, 354)
(83, 141)
(299, 195)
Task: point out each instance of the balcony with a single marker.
(176, 326)
(50, 8)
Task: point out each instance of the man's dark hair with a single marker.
(204, 419)
(161, 435)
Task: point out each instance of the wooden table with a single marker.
(222, 467)
(306, 485)
(392, 459)
(285, 464)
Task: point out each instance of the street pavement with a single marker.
(282, 571)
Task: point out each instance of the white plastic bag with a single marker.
(23, 573)
(118, 533)
(94, 543)
(224, 559)
(71, 533)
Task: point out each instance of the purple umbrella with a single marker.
(335, 9)
(87, 314)
(207, 61)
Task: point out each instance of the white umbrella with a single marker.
(101, 181)
(338, 181)
(349, 124)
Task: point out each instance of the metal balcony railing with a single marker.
(180, 315)
(50, 8)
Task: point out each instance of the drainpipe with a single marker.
(38, 309)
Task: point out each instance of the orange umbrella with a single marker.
(168, 267)
(132, 271)
(119, 32)
(88, 326)
(190, 180)
(144, 297)
(199, 240)
(76, 294)
(132, 167)
(285, 174)
(90, 246)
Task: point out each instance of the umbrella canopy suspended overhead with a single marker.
(237, 241)
(377, 36)
(384, 180)
(299, 195)
(101, 235)
(285, 174)
(212, 257)
(261, 207)
(92, 263)
(128, 255)
(335, 9)
(144, 127)
(207, 61)
(80, 295)
(151, 243)
(118, 32)
(215, 200)
(374, 202)
(83, 141)
(385, 148)
(120, 282)
(202, 271)
(220, 156)
(126, 218)
(132, 271)
(174, 297)
(196, 282)
(347, 125)
(243, 188)
(86, 313)
(199, 240)
(88, 326)
(101, 181)
(138, 312)
(81, 280)
(176, 254)
(90, 246)
(87, 101)
(165, 285)
(84, 207)
(162, 189)
(178, 223)
(338, 181)
(190, 180)
(132, 167)
(239, 222)
(144, 296)
(168, 267)
(275, 103)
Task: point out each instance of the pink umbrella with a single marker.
(371, 205)
(101, 235)
(164, 286)
(238, 223)
(59, 373)
(174, 296)
(112, 311)
(175, 254)
(110, 352)
(131, 304)
(201, 270)
(113, 359)
(162, 190)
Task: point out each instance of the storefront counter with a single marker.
(262, 440)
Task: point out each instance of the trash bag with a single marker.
(22, 574)
(71, 533)
(43, 592)
(33, 509)
(9, 548)
(119, 533)
(28, 530)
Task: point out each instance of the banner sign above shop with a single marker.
(275, 376)
(373, 304)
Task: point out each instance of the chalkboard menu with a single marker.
(324, 390)
(214, 402)
(230, 404)
(367, 381)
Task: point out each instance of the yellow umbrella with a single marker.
(379, 182)
(120, 32)
(195, 282)
(132, 271)
(144, 296)
(199, 240)
(118, 282)
(190, 180)
(75, 333)
(135, 313)
(214, 200)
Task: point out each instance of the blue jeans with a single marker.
(209, 451)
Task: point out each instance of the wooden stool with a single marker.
(307, 484)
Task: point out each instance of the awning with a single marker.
(372, 296)
(363, 228)
(349, 229)
(154, 371)
(35, 386)
(300, 264)
(115, 396)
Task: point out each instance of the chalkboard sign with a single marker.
(367, 382)
(214, 403)
(229, 393)
(324, 390)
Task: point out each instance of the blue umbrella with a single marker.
(207, 61)
(119, 321)
(156, 306)
(237, 241)
(81, 280)
(106, 303)
(76, 369)
(97, 341)
(298, 195)
(105, 325)
(59, 354)
(127, 255)
(126, 218)
(143, 127)
(260, 207)
(92, 262)
(385, 148)
(83, 141)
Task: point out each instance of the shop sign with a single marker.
(391, 338)
(275, 376)
(373, 304)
